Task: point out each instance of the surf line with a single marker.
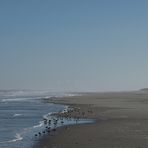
(17, 136)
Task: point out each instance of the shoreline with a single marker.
(120, 122)
(44, 140)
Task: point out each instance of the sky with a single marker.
(74, 45)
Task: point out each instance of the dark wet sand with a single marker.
(121, 122)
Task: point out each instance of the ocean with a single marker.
(21, 116)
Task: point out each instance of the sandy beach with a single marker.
(121, 122)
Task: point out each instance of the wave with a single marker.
(28, 93)
(16, 115)
(60, 96)
(17, 99)
(41, 123)
(72, 95)
(17, 138)
(47, 117)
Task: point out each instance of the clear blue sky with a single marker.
(74, 45)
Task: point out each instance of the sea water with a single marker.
(22, 114)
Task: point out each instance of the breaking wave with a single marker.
(17, 138)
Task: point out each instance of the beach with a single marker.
(121, 121)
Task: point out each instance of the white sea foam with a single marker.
(46, 116)
(72, 95)
(17, 138)
(16, 115)
(16, 99)
(26, 93)
(61, 95)
(41, 123)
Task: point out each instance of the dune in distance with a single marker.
(144, 89)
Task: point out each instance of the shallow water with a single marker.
(21, 118)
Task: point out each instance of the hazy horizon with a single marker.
(76, 45)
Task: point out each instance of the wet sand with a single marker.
(121, 122)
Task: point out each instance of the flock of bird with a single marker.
(59, 118)
(48, 126)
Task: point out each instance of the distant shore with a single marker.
(121, 122)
